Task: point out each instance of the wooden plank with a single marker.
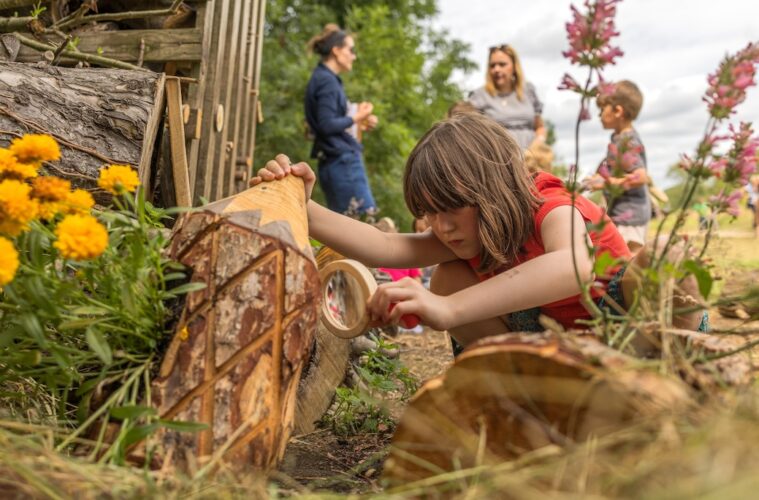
(237, 153)
(207, 167)
(179, 169)
(196, 93)
(225, 162)
(256, 77)
(150, 135)
(160, 45)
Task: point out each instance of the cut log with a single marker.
(98, 116)
(242, 342)
(518, 392)
(325, 371)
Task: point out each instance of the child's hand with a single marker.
(279, 167)
(593, 183)
(409, 297)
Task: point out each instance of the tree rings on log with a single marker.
(513, 393)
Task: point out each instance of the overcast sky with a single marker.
(670, 46)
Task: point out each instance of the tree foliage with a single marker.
(404, 68)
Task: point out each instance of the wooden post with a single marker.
(241, 343)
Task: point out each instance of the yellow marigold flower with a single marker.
(10, 168)
(80, 237)
(79, 201)
(48, 188)
(15, 203)
(118, 178)
(8, 261)
(35, 148)
(49, 209)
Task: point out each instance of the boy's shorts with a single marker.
(635, 234)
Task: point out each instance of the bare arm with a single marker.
(367, 244)
(354, 239)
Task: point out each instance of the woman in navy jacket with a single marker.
(342, 174)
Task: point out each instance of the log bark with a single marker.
(242, 342)
(518, 392)
(98, 116)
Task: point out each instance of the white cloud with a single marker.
(670, 47)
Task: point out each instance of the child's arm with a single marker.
(355, 239)
(539, 281)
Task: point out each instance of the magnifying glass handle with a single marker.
(408, 321)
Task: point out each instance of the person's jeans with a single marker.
(343, 178)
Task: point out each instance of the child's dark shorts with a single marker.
(527, 320)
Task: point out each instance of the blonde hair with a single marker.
(518, 73)
(469, 160)
(331, 36)
(627, 95)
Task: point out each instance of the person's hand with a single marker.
(279, 167)
(594, 183)
(362, 113)
(370, 123)
(409, 297)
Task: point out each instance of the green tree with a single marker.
(404, 67)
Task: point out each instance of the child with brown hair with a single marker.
(500, 235)
(622, 175)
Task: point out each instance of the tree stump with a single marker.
(515, 392)
(98, 116)
(241, 343)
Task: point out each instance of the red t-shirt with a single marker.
(553, 193)
(398, 274)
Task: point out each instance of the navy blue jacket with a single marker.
(326, 106)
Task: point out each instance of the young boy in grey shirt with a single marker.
(622, 175)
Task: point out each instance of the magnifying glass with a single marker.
(346, 286)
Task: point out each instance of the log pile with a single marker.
(98, 116)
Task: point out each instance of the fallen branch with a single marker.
(79, 56)
(13, 23)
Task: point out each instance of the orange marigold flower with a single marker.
(118, 178)
(79, 201)
(10, 168)
(8, 261)
(15, 203)
(35, 148)
(48, 188)
(80, 237)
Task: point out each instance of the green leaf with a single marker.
(137, 434)
(132, 412)
(187, 288)
(603, 263)
(89, 311)
(180, 426)
(99, 345)
(703, 277)
(31, 325)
